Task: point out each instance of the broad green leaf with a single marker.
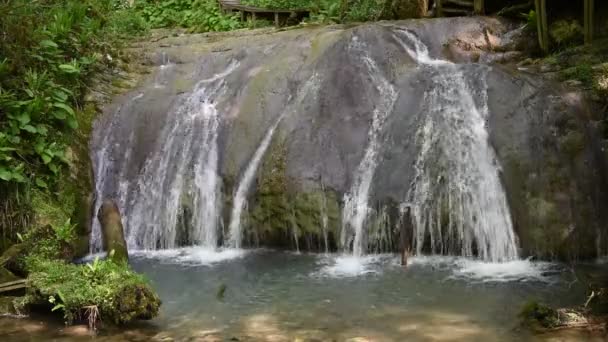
(23, 118)
(40, 183)
(59, 114)
(72, 122)
(64, 107)
(5, 174)
(48, 43)
(29, 128)
(46, 158)
(42, 130)
(69, 68)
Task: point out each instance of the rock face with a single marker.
(112, 231)
(322, 84)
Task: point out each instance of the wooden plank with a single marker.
(440, 8)
(14, 282)
(541, 23)
(236, 5)
(276, 19)
(12, 288)
(543, 4)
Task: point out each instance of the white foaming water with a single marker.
(458, 203)
(455, 268)
(240, 195)
(190, 255)
(473, 270)
(356, 209)
(346, 265)
(183, 165)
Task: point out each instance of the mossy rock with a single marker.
(539, 316)
(119, 294)
(135, 302)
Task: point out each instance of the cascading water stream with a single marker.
(457, 201)
(182, 165)
(240, 195)
(356, 208)
(239, 201)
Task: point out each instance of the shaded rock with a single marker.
(112, 231)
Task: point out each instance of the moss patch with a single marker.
(119, 294)
(283, 215)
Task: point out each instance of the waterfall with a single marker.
(457, 201)
(356, 208)
(182, 171)
(240, 195)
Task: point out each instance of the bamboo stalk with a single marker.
(541, 21)
(478, 6)
(589, 24)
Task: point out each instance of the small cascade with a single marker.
(324, 219)
(356, 210)
(242, 190)
(295, 231)
(165, 66)
(239, 201)
(181, 172)
(457, 201)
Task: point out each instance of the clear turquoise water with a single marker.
(277, 296)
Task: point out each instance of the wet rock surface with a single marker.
(543, 135)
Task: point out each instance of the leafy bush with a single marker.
(365, 10)
(197, 15)
(566, 32)
(48, 52)
(326, 11)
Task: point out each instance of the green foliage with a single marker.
(107, 285)
(582, 72)
(365, 10)
(50, 50)
(197, 15)
(531, 20)
(326, 11)
(566, 32)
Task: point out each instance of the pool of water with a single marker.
(280, 296)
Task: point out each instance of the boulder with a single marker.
(112, 231)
